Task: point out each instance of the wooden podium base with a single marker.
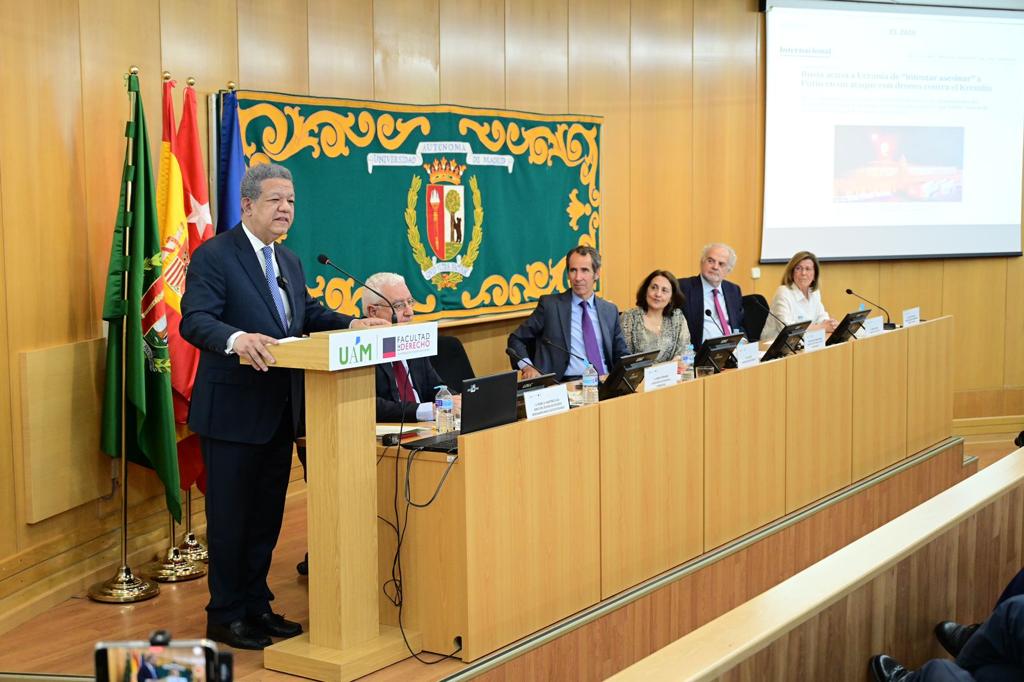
(297, 656)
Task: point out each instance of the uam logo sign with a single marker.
(352, 350)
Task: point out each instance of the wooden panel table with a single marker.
(652, 484)
(818, 424)
(744, 451)
(929, 383)
(879, 402)
(512, 542)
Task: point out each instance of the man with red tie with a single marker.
(405, 388)
(709, 292)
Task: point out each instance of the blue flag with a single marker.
(231, 167)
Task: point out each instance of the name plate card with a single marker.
(814, 340)
(872, 327)
(911, 316)
(747, 355)
(542, 402)
(661, 375)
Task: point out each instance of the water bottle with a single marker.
(444, 410)
(689, 356)
(590, 382)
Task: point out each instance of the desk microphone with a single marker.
(888, 320)
(564, 349)
(778, 319)
(516, 358)
(324, 260)
(708, 313)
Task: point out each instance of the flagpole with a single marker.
(175, 567)
(191, 546)
(125, 587)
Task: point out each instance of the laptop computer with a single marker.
(486, 402)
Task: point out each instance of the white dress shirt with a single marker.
(712, 330)
(790, 304)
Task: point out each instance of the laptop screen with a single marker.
(488, 401)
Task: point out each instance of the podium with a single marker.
(345, 638)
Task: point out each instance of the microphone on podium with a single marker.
(563, 349)
(324, 260)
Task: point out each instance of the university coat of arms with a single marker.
(446, 209)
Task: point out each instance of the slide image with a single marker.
(898, 164)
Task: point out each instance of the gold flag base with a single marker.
(124, 588)
(192, 549)
(175, 568)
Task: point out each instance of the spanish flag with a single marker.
(171, 198)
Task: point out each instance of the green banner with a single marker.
(475, 207)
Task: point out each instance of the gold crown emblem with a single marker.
(443, 170)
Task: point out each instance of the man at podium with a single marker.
(242, 293)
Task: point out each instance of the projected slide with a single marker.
(905, 163)
(893, 133)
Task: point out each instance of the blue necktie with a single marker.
(275, 292)
(590, 340)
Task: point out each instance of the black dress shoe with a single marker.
(239, 634)
(886, 669)
(303, 566)
(275, 625)
(953, 636)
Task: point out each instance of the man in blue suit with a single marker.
(574, 320)
(242, 293)
(710, 292)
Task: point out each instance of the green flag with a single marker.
(137, 333)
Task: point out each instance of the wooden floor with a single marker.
(61, 639)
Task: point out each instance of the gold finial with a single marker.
(133, 70)
(167, 76)
(232, 85)
(191, 82)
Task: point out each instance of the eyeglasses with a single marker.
(400, 306)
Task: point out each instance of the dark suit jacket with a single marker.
(225, 292)
(424, 379)
(551, 318)
(693, 290)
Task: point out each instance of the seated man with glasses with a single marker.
(405, 388)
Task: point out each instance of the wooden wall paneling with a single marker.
(340, 48)
(661, 137)
(726, 131)
(1013, 364)
(273, 52)
(472, 52)
(46, 241)
(533, 526)
(199, 38)
(929, 383)
(819, 422)
(879, 402)
(8, 515)
(62, 405)
(599, 84)
(406, 59)
(744, 468)
(771, 278)
(906, 284)
(836, 278)
(658, 619)
(114, 37)
(536, 56)
(652, 484)
(974, 292)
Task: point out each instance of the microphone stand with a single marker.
(889, 324)
(324, 260)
